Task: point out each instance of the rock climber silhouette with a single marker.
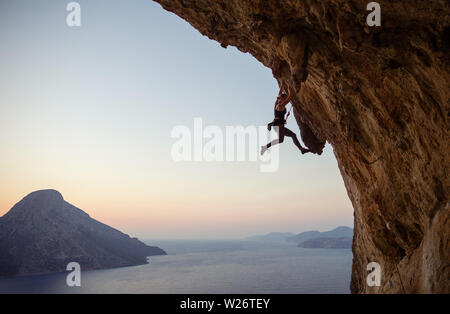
(279, 122)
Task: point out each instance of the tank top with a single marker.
(279, 117)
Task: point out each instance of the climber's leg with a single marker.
(292, 135)
(280, 139)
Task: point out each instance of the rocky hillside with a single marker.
(271, 237)
(43, 233)
(327, 243)
(339, 232)
(380, 96)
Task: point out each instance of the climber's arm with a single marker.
(287, 100)
(283, 89)
(290, 96)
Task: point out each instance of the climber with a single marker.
(279, 122)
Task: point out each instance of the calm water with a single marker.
(210, 267)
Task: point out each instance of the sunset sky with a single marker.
(89, 111)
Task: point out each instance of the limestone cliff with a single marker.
(380, 96)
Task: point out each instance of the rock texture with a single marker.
(43, 233)
(380, 96)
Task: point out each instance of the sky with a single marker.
(89, 111)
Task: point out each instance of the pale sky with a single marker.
(89, 111)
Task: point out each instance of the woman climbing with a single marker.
(279, 122)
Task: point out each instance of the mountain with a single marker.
(328, 243)
(339, 232)
(43, 233)
(271, 237)
(299, 238)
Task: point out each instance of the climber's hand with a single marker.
(282, 89)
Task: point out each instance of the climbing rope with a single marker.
(400, 277)
(305, 71)
(289, 113)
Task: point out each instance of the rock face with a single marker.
(327, 243)
(43, 233)
(380, 96)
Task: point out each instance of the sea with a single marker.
(213, 266)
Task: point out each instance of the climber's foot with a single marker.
(304, 151)
(263, 150)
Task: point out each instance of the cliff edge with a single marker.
(380, 96)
